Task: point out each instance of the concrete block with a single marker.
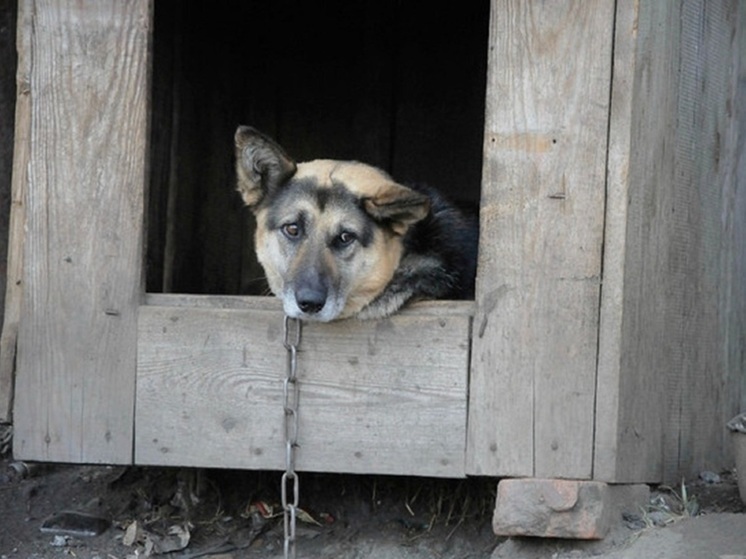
(553, 508)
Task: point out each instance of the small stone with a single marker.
(660, 518)
(633, 521)
(709, 477)
(59, 541)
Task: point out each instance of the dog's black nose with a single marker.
(310, 301)
(310, 307)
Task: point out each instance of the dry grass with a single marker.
(215, 505)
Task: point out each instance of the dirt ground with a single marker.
(47, 512)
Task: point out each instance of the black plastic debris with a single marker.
(75, 524)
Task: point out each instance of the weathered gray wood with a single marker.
(390, 397)
(534, 354)
(704, 248)
(630, 454)
(88, 90)
(252, 302)
(14, 268)
(8, 67)
(672, 317)
(736, 269)
(376, 397)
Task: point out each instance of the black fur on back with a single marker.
(450, 236)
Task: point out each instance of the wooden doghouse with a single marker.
(602, 142)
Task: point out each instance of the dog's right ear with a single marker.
(261, 165)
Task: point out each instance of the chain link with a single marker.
(290, 489)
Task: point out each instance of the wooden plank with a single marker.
(534, 352)
(668, 367)
(623, 449)
(376, 397)
(736, 224)
(8, 94)
(83, 256)
(16, 225)
(252, 302)
(639, 381)
(705, 159)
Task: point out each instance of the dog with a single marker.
(340, 239)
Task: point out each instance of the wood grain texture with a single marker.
(376, 397)
(735, 291)
(646, 162)
(88, 87)
(16, 225)
(534, 353)
(703, 248)
(642, 460)
(671, 319)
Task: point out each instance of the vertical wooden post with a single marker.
(534, 352)
(87, 142)
(14, 269)
(672, 307)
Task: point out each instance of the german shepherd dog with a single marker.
(341, 239)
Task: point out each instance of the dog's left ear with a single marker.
(261, 165)
(397, 206)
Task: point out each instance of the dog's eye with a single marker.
(346, 238)
(291, 230)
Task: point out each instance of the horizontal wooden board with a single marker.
(253, 302)
(383, 397)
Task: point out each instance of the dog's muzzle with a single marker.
(310, 297)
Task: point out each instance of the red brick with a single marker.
(552, 508)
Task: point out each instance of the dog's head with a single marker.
(329, 233)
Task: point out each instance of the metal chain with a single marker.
(291, 341)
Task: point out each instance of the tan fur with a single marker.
(383, 258)
(369, 183)
(267, 253)
(361, 179)
(370, 271)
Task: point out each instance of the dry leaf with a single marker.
(133, 534)
(176, 540)
(303, 516)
